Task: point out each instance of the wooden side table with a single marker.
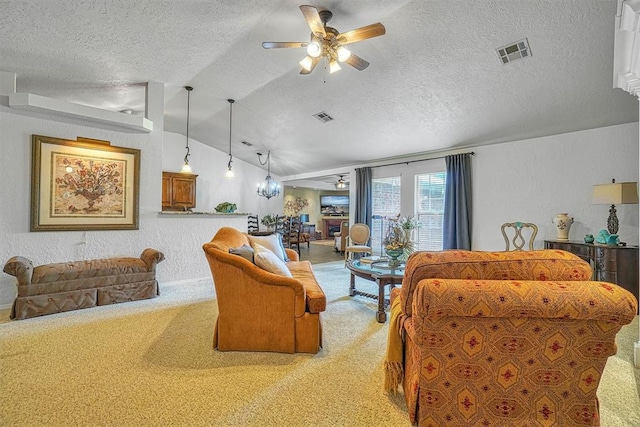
(613, 264)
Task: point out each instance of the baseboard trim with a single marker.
(184, 281)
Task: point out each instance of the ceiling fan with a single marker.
(327, 42)
(341, 184)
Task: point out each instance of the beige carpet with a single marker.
(151, 363)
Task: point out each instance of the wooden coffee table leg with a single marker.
(381, 316)
(352, 285)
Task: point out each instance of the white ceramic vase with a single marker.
(563, 222)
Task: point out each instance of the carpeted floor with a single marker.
(151, 363)
(323, 242)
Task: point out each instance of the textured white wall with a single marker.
(533, 180)
(180, 238)
(524, 180)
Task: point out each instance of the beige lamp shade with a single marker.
(616, 193)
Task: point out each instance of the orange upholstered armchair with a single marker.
(503, 338)
(259, 310)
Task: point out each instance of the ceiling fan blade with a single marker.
(362, 33)
(314, 62)
(313, 20)
(356, 62)
(273, 45)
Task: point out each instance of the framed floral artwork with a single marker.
(83, 185)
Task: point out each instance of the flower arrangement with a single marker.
(269, 220)
(398, 241)
(396, 238)
(408, 222)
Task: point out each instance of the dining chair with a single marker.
(357, 241)
(252, 223)
(519, 239)
(294, 236)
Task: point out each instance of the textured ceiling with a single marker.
(434, 81)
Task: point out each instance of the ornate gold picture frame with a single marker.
(83, 185)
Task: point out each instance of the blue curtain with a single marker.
(364, 207)
(457, 202)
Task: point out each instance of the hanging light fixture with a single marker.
(186, 168)
(341, 182)
(269, 188)
(229, 173)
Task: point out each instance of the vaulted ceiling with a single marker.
(434, 82)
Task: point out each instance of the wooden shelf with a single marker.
(197, 214)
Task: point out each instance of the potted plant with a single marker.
(269, 220)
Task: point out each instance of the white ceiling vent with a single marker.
(514, 51)
(323, 117)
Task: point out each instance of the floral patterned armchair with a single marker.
(502, 338)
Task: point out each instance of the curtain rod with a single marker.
(421, 160)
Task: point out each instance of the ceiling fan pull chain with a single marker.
(324, 72)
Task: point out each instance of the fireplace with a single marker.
(333, 229)
(332, 225)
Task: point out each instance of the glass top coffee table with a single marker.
(379, 272)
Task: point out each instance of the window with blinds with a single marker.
(385, 204)
(429, 207)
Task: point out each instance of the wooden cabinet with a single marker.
(613, 264)
(178, 191)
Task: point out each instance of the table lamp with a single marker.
(616, 193)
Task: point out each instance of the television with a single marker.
(334, 204)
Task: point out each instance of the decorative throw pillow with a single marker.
(269, 261)
(245, 251)
(273, 243)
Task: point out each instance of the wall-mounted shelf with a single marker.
(199, 214)
(59, 108)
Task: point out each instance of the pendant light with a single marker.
(229, 173)
(186, 168)
(270, 187)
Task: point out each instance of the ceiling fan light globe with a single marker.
(334, 66)
(314, 49)
(343, 53)
(306, 63)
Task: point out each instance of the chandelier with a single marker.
(270, 187)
